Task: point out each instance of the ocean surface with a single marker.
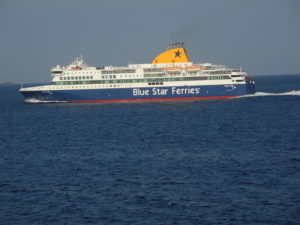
(234, 161)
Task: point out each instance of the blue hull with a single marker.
(142, 94)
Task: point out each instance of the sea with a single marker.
(228, 161)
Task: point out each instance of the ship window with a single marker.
(235, 75)
(56, 72)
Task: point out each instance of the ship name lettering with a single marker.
(140, 92)
(159, 91)
(185, 91)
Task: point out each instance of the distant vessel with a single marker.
(5, 82)
(171, 76)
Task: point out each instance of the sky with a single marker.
(260, 36)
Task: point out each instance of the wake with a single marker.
(262, 94)
(37, 101)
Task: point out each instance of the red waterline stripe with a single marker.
(155, 99)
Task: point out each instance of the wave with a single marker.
(37, 101)
(262, 94)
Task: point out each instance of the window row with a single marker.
(76, 78)
(118, 71)
(156, 83)
(149, 80)
(77, 72)
(154, 74)
(108, 77)
(150, 70)
(218, 72)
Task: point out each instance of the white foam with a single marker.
(37, 101)
(261, 94)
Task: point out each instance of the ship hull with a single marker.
(157, 93)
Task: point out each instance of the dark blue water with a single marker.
(231, 161)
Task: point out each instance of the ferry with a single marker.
(171, 76)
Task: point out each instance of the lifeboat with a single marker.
(173, 69)
(193, 68)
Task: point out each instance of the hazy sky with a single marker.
(261, 36)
